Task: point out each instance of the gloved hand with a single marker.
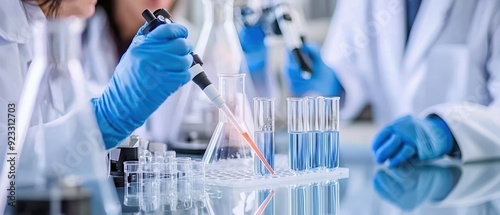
(252, 43)
(153, 67)
(409, 187)
(411, 139)
(323, 81)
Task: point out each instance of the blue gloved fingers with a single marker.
(252, 38)
(313, 51)
(388, 149)
(381, 138)
(164, 50)
(404, 155)
(293, 69)
(168, 32)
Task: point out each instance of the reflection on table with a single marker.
(315, 198)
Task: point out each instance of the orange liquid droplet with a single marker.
(257, 152)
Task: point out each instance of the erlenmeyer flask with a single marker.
(220, 49)
(60, 140)
(227, 143)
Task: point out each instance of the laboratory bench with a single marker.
(443, 187)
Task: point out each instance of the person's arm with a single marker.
(476, 128)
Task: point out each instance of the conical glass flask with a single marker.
(227, 145)
(220, 49)
(59, 138)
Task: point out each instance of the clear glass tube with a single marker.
(264, 132)
(298, 152)
(316, 143)
(329, 125)
(199, 172)
(184, 182)
(131, 185)
(168, 185)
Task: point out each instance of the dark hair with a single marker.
(52, 6)
(109, 8)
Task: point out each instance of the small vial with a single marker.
(131, 179)
(170, 156)
(198, 178)
(264, 133)
(298, 152)
(329, 126)
(184, 181)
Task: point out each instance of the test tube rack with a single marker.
(228, 174)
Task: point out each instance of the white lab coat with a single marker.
(87, 154)
(451, 66)
(16, 53)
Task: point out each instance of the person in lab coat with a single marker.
(429, 69)
(108, 34)
(152, 68)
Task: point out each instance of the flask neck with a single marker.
(232, 89)
(219, 11)
(59, 41)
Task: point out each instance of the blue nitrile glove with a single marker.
(154, 66)
(411, 139)
(323, 81)
(252, 43)
(409, 186)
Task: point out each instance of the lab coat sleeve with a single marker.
(476, 127)
(341, 54)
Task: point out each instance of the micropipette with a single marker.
(198, 76)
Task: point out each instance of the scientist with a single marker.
(107, 36)
(439, 60)
(151, 69)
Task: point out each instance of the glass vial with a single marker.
(264, 132)
(298, 151)
(329, 126)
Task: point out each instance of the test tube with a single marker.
(170, 156)
(131, 179)
(315, 137)
(198, 177)
(148, 199)
(329, 125)
(264, 132)
(298, 151)
(168, 185)
(184, 182)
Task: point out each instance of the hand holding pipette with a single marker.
(162, 16)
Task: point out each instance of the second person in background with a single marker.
(439, 60)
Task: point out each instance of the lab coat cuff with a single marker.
(472, 127)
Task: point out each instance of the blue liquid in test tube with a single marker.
(299, 154)
(265, 142)
(332, 149)
(264, 132)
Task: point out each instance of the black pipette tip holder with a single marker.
(158, 18)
